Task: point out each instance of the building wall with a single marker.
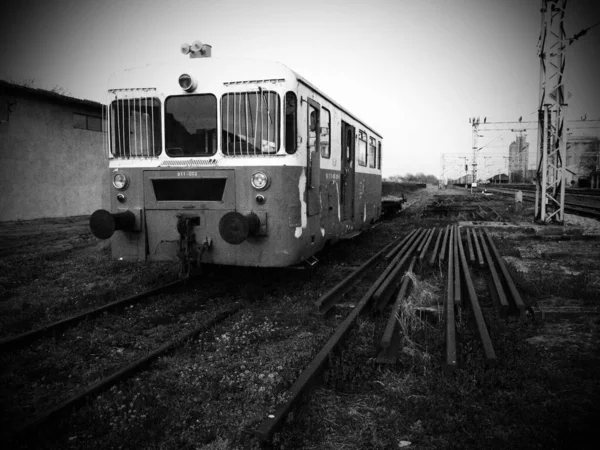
(48, 168)
(583, 158)
(518, 153)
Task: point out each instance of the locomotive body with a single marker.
(233, 162)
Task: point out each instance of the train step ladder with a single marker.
(311, 261)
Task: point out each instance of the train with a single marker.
(232, 162)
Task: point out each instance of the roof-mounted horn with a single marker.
(197, 50)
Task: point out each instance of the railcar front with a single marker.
(205, 164)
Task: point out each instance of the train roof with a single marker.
(229, 71)
(304, 81)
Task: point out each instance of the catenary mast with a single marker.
(551, 152)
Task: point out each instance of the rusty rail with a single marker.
(457, 287)
(484, 336)
(436, 247)
(514, 293)
(444, 242)
(391, 323)
(480, 259)
(500, 295)
(391, 282)
(450, 361)
(426, 246)
(401, 245)
(470, 247)
(310, 374)
(331, 297)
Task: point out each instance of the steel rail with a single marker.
(386, 339)
(426, 246)
(591, 210)
(568, 191)
(436, 247)
(514, 293)
(480, 259)
(308, 377)
(391, 283)
(470, 247)
(484, 336)
(331, 297)
(425, 239)
(63, 324)
(102, 385)
(444, 242)
(399, 247)
(503, 306)
(450, 361)
(457, 288)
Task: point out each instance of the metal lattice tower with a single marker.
(551, 153)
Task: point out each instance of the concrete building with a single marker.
(583, 160)
(518, 159)
(595, 179)
(52, 161)
(500, 178)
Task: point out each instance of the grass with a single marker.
(544, 393)
(214, 392)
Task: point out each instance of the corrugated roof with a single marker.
(6, 87)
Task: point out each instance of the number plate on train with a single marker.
(187, 174)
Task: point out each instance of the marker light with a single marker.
(260, 181)
(120, 181)
(187, 83)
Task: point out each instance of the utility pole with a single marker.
(475, 125)
(551, 152)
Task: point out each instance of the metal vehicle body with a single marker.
(233, 162)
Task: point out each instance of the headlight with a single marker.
(187, 83)
(120, 181)
(260, 181)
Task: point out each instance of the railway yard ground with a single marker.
(540, 390)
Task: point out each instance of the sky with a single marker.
(414, 70)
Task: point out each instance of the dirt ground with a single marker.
(545, 394)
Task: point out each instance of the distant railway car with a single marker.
(233, 162)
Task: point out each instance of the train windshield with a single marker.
(191, 125)
(135, 127)
(250, 123)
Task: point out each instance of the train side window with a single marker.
(291, 123)
(362, 148)
(372, 153)
(324, 140)
(379, 155)
(191, 125)
(135, 127)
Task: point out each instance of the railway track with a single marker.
(573, 192)
(585, 209)
(60, 326)
(403, 258)
(386, 278)
(70, 382)
(220, 375)
(126, 372)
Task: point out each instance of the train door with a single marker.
(347, 175)
(313, 161)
